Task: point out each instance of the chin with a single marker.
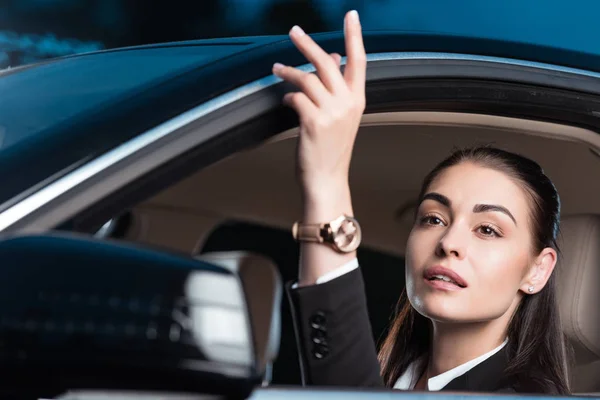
(440, 308)
(446, 309)
(440, 304)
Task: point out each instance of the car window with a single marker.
(383, 274)
(37, 98)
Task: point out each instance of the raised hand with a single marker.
(330, 106)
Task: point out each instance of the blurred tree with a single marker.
(155, 22)
(119, 23)
(89, 20)
(282, 16)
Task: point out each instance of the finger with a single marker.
(356, 63)
(309, 83)
(323, 63)
(298, 101)
(337, 58)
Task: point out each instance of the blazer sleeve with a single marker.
(333, 333)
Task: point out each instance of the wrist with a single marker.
(327, 204)
(316, 187)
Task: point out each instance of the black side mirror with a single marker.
(80, 313)
(263, 288)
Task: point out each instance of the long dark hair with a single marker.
(536, 348)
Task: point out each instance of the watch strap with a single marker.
(308, 232)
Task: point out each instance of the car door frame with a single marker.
(244, 117)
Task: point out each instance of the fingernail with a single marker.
(354, 16)
(277, 67)
(296, 31)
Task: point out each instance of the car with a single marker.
(187, 147)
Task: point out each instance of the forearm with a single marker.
(334, 332)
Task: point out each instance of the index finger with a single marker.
(356, 64)
(326, 68)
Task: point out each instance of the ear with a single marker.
(540, 271)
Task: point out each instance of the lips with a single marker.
(444, 276)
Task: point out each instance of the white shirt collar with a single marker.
(409, 378)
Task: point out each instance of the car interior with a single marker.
(249, 201)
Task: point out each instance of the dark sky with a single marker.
(34, 29)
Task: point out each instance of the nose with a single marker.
(454, 242)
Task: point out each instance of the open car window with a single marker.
(384, 279)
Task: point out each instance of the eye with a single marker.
(488, 231)
(432, 220)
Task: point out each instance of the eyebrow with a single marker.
(478, 208)
(440, 198)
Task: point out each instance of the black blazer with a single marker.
(336, 346)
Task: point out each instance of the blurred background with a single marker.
(35, 29)
(32, 30)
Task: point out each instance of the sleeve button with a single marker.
(320, 351)
(318, 320)
(319, 336)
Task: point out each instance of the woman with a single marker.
(479, 310)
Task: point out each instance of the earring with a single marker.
(530, 289)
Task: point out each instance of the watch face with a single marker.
(347, 237)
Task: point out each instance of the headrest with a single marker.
(578, 283)
(263, 288)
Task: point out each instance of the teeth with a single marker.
(444, 278)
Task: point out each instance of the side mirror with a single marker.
(263, 288)
(80, 313)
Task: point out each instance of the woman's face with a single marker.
(469, 252)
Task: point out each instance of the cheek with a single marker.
(414, 253)
(498, 268)
(497, 272)
(420, 247)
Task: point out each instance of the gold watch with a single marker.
(343, 233)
